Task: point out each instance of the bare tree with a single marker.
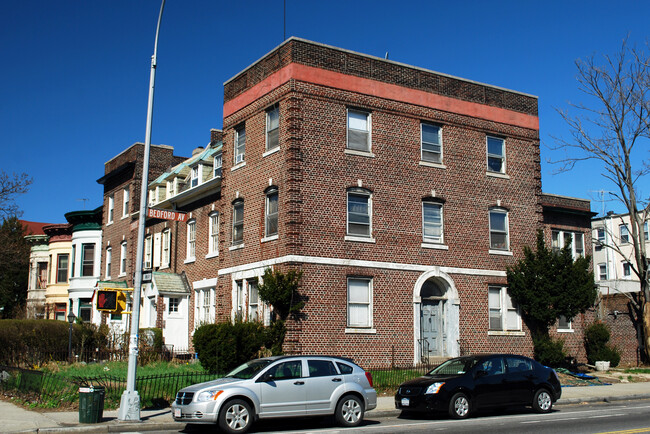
(613, 129)
(10, 186)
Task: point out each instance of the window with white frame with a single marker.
(87, 259)
(575, 240)
(239, 301)
(359, 302)
(499, 229)
(358, 131)
(73, 256)
(213, 230)
(627, 269)
(240, 144)
(109, 258)
(645, 231)
(126, 197)
(600, 239)
(563, 324)
(194, 176)
(271, 212)
(216, 165)
(166, 248)
(205, 306)
(148, 252)
(602, 272)
(432, 222)
(174, 303)
(431, 143)
(504, 315)
(625, 234)
(496, 154)
(111, 208)
(62, 268)
(253, 300)
(123, 258)
(359, 213)
(170, 189)
(273, 128)
(238, 222)
(191, 239)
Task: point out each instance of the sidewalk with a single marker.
(15, 419)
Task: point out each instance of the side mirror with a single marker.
(266, 377)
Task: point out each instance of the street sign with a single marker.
(166, 214)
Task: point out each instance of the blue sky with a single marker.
(75, 73)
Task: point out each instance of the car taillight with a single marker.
(369, 377)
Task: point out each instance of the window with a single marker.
(563, 324)
(600, 234)
(273, 128)
(359, 302)
(42, 276)
(174, 302)
(627, 269)
(321, 368)
(59, 312)
(504, 316)
(125, 202)
(194, 176)
(240, 144)
(72, 258)
(575, 240)
(496, 155)
(358, 131)
(602, 271)
(170, 189)
(431, 143)
(87, 260)
(432, 222)
(191, 239)
(239, 301)
(578, 244)
(205, 307)
(62, 268)
(123, 258)
(238, 222)
(166, 247)
(85, 309)
(213, 241)
(499, 229)
(253, 301)
(109, 258)
(359, 212)
(271, 214)
(111, 208)
(216, 165)
(625, 234)
(148, 251)
(287, 370)
(645, 231)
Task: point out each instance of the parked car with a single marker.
(283, 386)
(462, 385)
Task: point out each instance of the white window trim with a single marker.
(492, 250)
(430, 164)
(503, 293)
(190, 258)
(368, 114)
(148, 251)
(123, 253)
(503, 157)
(109, 254)
(569, 329)
(498, 175)
(623, 276)
(270, 192)
(427, 162)
(199, 170)
(213, 251)
(215, 166)
(606, 272)
(126, 200)
(271, 151)
(360, 329)
(361, 238)
(436, 246)
(236, 154)
(165, 264)
(232, 226)
(267, 150)
(111, 210)
(238, 166)
(428, 240)
(271, 238)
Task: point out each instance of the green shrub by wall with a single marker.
(597, 346)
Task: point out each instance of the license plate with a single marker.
(177, 412)
(405, 402)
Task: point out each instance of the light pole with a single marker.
(71, 319)
(130, 401)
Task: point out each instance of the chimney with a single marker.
(197, 151)
(216, 136)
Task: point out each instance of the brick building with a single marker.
(401, 193)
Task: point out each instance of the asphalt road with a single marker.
(622, 417)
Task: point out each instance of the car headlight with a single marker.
(434, 388)
(209, 395)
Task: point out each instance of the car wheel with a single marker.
(459, 406)
(235, 416)
(349, 411)
(542, 402)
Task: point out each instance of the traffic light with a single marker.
(107, 300)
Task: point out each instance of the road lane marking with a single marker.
(628, 431)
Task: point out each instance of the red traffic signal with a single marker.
(106, 300)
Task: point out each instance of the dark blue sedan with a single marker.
(462, 385)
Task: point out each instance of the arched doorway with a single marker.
(436, 311)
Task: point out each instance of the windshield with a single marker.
(454, 366)
(249, 369)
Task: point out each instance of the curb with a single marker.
(567, 401)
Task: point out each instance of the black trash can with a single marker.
(91, 404)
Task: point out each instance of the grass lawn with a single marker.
(119, 369)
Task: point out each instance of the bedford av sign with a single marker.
(166, 214)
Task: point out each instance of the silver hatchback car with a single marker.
(282, 386)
